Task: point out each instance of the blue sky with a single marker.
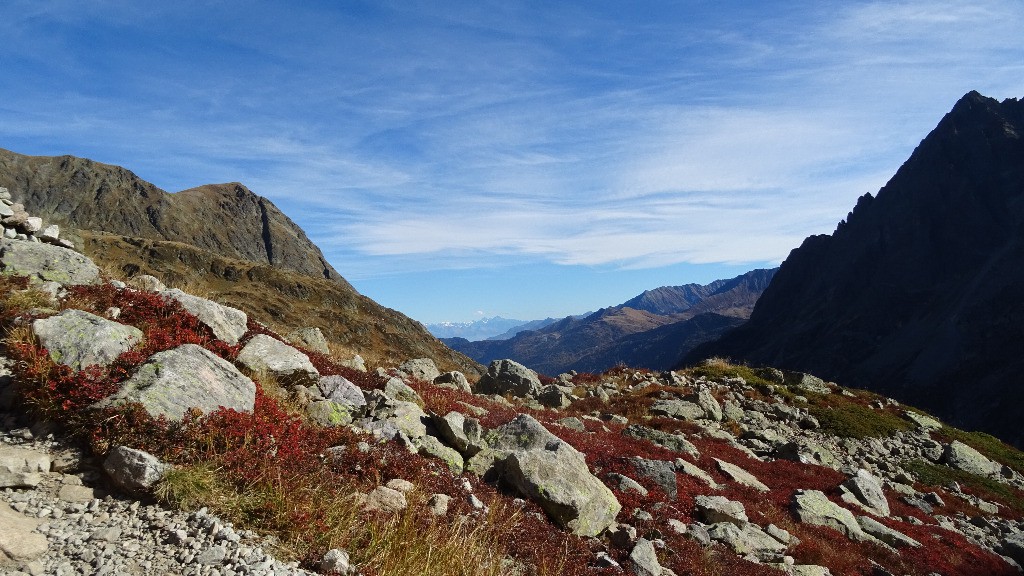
(528, 159)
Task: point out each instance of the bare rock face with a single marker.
(919, 293)
(47, 262)
(189, 376)
(78, 339)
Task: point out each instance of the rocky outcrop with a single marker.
(920, 290)
(133, 469)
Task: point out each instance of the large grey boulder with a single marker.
(47, 262)
(750, 539)
(554, 474)
(133, 469)
(388, 417)
(962, 457)
(421, 369)
(508, 377)
(708, 403)
(189, 376)
(454, 379)
(265, 354)
(227, 323)
(813, 507)
(740, 476)
(78, 339)
(678, 409)
(644, 559)
(866, 491)
(560, 482)
(662, 473)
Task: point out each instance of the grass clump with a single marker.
(988, 488)
(848, 419)
(990, 446)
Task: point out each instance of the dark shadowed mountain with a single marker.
(919, 293)
(623, 334)
(220, 241)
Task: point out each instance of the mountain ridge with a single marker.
(919, 290)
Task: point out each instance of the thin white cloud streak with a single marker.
(467, 151)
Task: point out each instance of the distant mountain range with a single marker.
(653, 330)
(919, 293)
(494, 328)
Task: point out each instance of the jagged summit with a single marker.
(919, 293)
(83, 194)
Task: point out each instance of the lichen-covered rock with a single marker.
(679, 409)
(189, 376)
(431, 446)
(396, 389)
(328, 413)
(813, 507)
(46, 262)
(461, 431)
(662, 473)
(339, 389)
(675, 442)
(885, 534)
(78, 339)
(263, 353)
(559, 481)
(227, 323)
(508, 377)
(962, 457)
(644, 559)
(867, 491)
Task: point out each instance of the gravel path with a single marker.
(90, 532)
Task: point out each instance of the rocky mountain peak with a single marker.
(919, 293)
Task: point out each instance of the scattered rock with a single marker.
(421, 369)
(962, 457)
(886, 534)
(715, 509)
(311, 339)
(867, 492)
(644, 559)
(456, 380)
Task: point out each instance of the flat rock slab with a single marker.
(78, 339)
(18, 539)
(227, 323)
(47, 262)
(189, 376)
(740, 476)
(962, 457)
